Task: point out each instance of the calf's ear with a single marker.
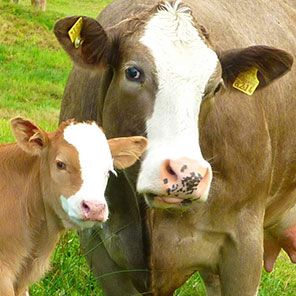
(271, 63)
(29, 136)
(90, 46)
(126, 151)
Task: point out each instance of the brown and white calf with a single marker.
(50, 182)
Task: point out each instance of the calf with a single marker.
(50, 182)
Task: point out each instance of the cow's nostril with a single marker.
(170, 170)
(85, 207)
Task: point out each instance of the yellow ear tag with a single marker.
(74, 33)
(247, 81)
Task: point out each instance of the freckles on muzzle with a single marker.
(182, 181)
(188, 184)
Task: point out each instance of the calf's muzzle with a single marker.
(94, 211)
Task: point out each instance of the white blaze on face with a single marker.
(184, 64)
(95, 163)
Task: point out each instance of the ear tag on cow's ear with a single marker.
(247, 81)
(74, 33)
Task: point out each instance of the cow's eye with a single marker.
(61, 165)
(218, 87)
(133, 74)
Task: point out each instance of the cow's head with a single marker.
(75, 162)
(159, 68)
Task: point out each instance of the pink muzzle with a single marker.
(94, 211)
(183, 179)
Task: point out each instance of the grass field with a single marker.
(33, 73)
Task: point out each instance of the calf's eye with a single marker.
(133, 74)
(61, 165)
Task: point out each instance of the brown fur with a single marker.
(29, 228)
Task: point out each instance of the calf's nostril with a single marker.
(94, 210)
(85, 207)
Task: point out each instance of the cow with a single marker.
(50, 182)
(205, 82)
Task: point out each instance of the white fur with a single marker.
(184, 64)
(95, 162)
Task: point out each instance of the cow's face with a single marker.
(76, 161)
(162, 71)
(174, 171)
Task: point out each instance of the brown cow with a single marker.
(167, 70)
(50, 182)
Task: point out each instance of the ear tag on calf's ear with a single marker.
(247, 81)
(74, 33)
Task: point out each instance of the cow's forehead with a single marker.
(91, 145)
(176, 45)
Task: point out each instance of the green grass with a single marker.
(33, 74)
(34, 69)
(69, 273)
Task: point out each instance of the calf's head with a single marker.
(75, 162)
(159, 68)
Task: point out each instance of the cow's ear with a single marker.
(89, 45)
(270, 62)
(29, 136)
(126, 151)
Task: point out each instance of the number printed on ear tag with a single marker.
(247, 81)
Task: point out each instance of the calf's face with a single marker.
(75, 162)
